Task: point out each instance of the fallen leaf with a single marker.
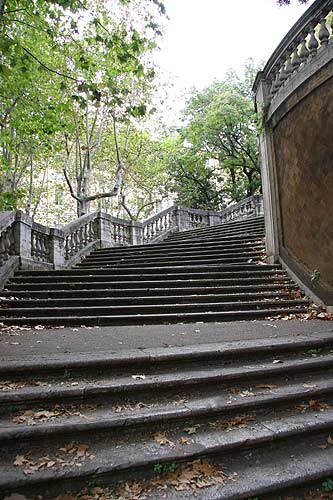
(161, 439)
(191, 430)
(266, 386)
(330, 440)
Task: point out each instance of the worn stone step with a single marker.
(172, 375)
(149, 308)
(232, 260)
(169, 273)
(204, 243)
(224, 257)
(165, 262)
(172, 299)
(111, 457)
(142, 319)
(147, 358)
(151, 251)
(239, 225)
(137, 290)
(97, 271)
(112, 413)
(132, 281)
(217, 231)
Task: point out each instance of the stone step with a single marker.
(197, 243)
(234, 407)
(164, 262)
(154, 299)
(149, 373)
(223, 257)
(138, 290)
(239, 225)
(129, 281)
(151, 251)
(216, 231)
(143, 319)
(204, 235)
(295, 450)
(131, 309)
(244, 259)
(97, 271)
(174, 272)
(147, 358)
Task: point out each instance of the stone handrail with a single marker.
(310, 35)
(39, 247)
(249, 207)
(7, 220)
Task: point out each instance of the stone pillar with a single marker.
(104, 229)
(136, 231)
(181, 218)
(268, 178)
(57, 254)
(213, 218)
(22, 235)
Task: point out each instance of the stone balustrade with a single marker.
(34, 246)
(304, 43)
(293, 95)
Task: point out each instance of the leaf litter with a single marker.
(192, 476)
(31, 417)
(70, 455)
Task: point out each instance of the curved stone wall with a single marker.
(303, 146)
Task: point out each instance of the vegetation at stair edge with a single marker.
(79, 129)
(215, 156)
(72, 71)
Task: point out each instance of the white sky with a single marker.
(204, 38)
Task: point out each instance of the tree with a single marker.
(218, 143)
(68, 67)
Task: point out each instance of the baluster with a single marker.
(67, 247)
(2, 249)
(296, 62)
(323, 34)
(42, 247)
(283, 75)
(71, 244)
(91, 231)
(86, 234)
(289, 66)
(7, 244)
(304, 53)
(313, 43)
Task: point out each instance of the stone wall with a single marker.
(303, 146)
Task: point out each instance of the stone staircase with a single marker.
(260, 410)
(209, 274)
(241, 411)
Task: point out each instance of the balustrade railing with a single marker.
(7, 241)
(309, 37)
(250, 207)
(39, 246)
(79, 234)
(159, 224)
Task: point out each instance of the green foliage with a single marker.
(327, 485)
(94, 483)
(216, 157)
(67, 374)
(315, 276)
(68, 69)
(165, 468)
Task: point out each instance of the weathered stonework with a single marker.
(303, 141)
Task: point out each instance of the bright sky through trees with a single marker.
(203, 39)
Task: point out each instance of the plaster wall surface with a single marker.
(303, 144)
